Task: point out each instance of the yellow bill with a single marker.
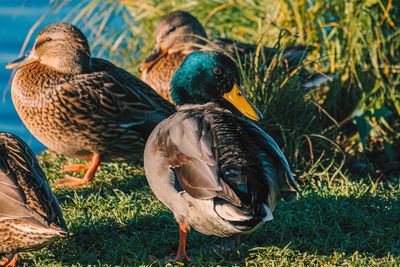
(28, 58)
(155, 56)
(237, 98)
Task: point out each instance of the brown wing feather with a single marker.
(111, 111)
(22, 166)
(159, 76)
(103, 93)
(146, 94)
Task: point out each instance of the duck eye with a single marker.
(217, 70)
(239, 94)
(48, 39)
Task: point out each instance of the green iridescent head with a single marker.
(210, 76)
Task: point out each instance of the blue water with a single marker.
(16, 19)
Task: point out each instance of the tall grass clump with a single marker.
(355, 117)
(360, 41)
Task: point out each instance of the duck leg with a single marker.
(3, 261)
(69, 180)
(181, 255)
(12, 262)
(75, 168)
(236, 240)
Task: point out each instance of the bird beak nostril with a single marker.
(28, 58)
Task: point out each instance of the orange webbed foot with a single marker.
(75, 168)
(184, 258)
(3, 261)
(181, 255)
(9, 262)
(71, 181)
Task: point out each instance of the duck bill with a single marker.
(28, 58)
(237, 98)
(156, 54)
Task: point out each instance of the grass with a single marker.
(116, 220)
(341, 139)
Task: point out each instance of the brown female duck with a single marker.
(179, 33)
(30, 216)
(81, 106)
(217, 172)
(176, 35)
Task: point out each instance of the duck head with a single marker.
(61, 46)
(210, 76)
(176, 32)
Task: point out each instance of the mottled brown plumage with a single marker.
(159, 76)
(176, 35)
(81, 106)
(30, 216)
(179, 33)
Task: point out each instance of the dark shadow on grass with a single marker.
(315, 224)
(131, 244)
(324, 225)
(110, 242)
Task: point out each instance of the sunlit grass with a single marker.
(342, 139)
(116, 220)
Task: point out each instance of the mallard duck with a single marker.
(81, 106)
(179, 33)
(30, 216)
(217, 172)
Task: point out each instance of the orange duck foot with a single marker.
(69, 180)
(181, 255)
(184, 258)
(179, 258)
(9, 262)
(3, 261)
(75, 168)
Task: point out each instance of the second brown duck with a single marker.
(30, 216)
(81, 106)
(179, 33)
